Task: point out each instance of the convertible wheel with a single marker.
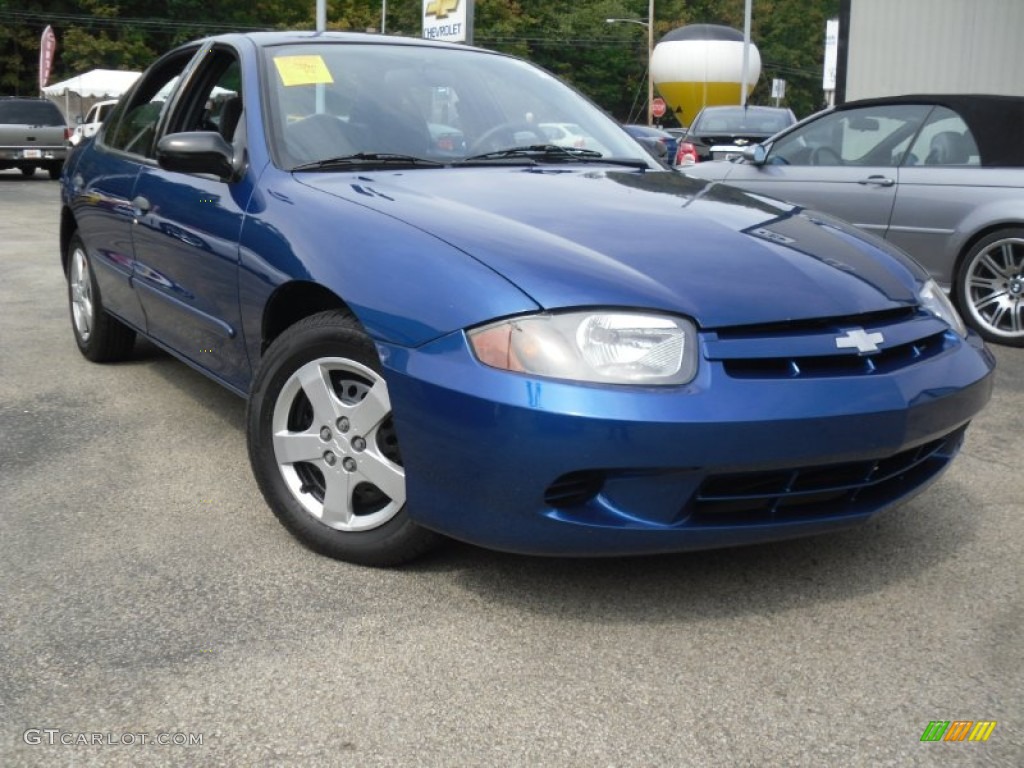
(323, 446)
(101, 337)
(990, 287)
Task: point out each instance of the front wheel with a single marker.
(990, 287)
(28, 171)
(323, 445)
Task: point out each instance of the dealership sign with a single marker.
(448, 20)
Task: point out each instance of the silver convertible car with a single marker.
(942, 177)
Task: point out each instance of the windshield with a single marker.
(331, 100)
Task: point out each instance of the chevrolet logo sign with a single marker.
(441, 8)
(860, 340)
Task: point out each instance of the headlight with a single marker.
(605, 347)
(937, 302)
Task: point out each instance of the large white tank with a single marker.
(700, 65)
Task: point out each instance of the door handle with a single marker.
(881, 181)
(141, 205)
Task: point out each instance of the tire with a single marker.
(989, 287)
(101, 337)
(28, 171)
(54, 171)
(323, 447)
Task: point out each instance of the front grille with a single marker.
(825, 491)
(884, 361)
(810, 349)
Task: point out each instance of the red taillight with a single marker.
(67, 133)
(686, 154)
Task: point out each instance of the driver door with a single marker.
(845, 163)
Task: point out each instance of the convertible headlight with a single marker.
(605, 347)
(937, 302)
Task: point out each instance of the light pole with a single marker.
(649, 26)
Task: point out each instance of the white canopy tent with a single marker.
(90, 87)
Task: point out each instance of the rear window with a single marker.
(739, 120)
(30, 112)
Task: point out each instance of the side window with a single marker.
(212, 99)
(872, 136)
(132, 127)
(944, 140)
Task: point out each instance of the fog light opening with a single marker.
(574, 489)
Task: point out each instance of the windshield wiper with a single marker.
(551, 153)
(367, 158)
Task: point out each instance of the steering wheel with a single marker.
(825, 155)
(502, 136)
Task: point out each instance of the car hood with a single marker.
(590, 236)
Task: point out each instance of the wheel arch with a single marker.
(292, 302)
(984, 232)
(68, 226)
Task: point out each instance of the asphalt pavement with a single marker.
(148, 595)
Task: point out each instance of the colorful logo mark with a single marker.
(441, 8)
(958, 730)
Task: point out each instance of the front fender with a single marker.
(293, 232)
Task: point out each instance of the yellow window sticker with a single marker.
(302, 70)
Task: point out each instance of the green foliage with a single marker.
(608, 62)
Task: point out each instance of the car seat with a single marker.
(948, 148)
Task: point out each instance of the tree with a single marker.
(608, 62)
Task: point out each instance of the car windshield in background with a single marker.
(329, 101)
(29, 112)
(739, 120)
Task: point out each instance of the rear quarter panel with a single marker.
(939, 210)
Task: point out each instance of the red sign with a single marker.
(47, 47)
(658, 107)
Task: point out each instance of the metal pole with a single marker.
(383, 16)
(746, 53)
(321, 25)
(650, 55)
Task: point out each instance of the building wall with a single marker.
(934, 46)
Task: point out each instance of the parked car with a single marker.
(33, 134)
(571, 135)
(96, 115)
(659, 143)
(942, 177)
(722, 133)
(537, 349)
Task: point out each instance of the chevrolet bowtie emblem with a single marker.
(441, 8)
(860, 340)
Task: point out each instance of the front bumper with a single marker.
(546, 467)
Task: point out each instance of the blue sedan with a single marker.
(531, 347)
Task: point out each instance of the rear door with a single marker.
(103, 180)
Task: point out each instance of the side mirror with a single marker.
(755, 155)
(78, 120)
(198, 152)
